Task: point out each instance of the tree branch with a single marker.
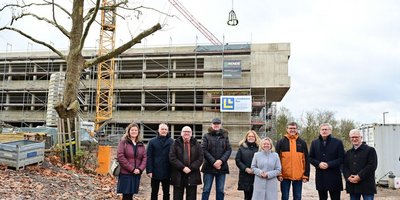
(85, 33)
(22, 6)
(54, 14)
(61, 28)
(35, 40)
(60, 7)
(124, 47)
(36, 4)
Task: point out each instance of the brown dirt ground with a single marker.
(231, 192)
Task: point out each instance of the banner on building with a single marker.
(232, 69)
(235, 104)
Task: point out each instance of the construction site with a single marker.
(181, 85)
(178, 85)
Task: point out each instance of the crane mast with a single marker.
(211, 37)
(105, 70)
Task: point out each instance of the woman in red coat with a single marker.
(132, 158)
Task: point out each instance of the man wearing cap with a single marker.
(217, 149)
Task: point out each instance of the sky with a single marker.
(345, 54)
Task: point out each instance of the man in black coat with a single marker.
(217, 149)
(360, 163)
(326, 155)
(186, 157)
(158, 167)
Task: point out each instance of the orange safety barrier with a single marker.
(104, 160)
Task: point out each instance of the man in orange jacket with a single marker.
(293, 153)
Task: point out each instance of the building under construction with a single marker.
(178, 85)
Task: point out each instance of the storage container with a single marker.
(21, 153)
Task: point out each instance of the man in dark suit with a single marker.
(326, 155)
(186, 157)
(360, 163)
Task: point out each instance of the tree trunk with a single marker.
(75, 64)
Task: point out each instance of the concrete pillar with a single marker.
(143, 95)
(172, 131)
(33, 101)
(87, 96)
(174, 67)
(34, 70)
(173, 100)
(7, 101)
(9, 70)
(141, 131)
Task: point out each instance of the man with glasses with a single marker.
(360, 163)
(326, 155)
(186, 157)
(293, 153)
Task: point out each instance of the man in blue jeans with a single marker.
(293, 153)
(217, 150)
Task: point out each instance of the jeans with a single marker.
(219, 185)
(285, 188)
(358, 196)
(155, 185)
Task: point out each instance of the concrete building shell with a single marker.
(179, 85)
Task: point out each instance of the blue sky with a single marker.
(345, 55)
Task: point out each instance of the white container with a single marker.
(397, 182)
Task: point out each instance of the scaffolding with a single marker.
(178, 85)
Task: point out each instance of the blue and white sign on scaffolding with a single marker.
(235, 104)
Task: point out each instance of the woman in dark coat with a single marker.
(132, 158)
(247, 147)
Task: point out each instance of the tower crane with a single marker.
(211, 37)
(105, 70)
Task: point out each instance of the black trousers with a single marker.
(323, 195)
(191, 192)
(248, 195)
(155, 186)
(127, 196)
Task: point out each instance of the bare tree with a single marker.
(282, 119)
(344, 127)
(310, 126)
(79, 25)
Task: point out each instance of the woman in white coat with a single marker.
(266, 166)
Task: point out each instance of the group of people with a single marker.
(174, 162)
(261, 164)
(289, 163)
